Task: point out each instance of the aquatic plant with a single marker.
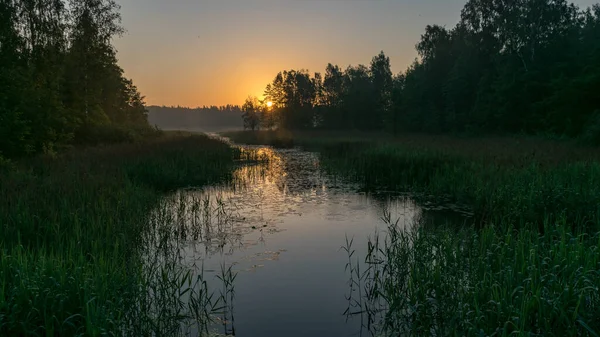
(441, 282)
(81, 253)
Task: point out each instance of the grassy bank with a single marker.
(527, 265)
(73, 230)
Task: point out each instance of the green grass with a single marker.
(529, 265)
(443, 282)
(523, 194)
(74, 236)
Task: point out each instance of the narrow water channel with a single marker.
(281, 225)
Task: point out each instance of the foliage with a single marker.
(59, 75)
(251, 113)
(294, 95)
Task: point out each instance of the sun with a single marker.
(269, 104)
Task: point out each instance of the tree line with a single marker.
(206, 118)
(508, 66)
(59, 79)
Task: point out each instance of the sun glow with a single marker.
(269, 104)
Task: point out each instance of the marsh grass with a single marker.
(180, 300)
(527, 266)
(519, 195)
(75, 235)
(489, 282)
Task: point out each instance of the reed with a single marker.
(80, 250)
(443, 282)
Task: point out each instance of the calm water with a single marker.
(281, 225)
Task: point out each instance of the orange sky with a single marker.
(216, 52)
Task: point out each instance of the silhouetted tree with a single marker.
(381, 76)
(251, 113)
(359, 99)
(207, 118)
(332, 97)
(506, 67)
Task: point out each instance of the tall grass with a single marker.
(528, 266)
(492, 282)
(521, 194)
(74, 229)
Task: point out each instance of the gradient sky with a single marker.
(216, 52)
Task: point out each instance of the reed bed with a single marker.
(79, 249)
(488, 282)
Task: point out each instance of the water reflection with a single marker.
(279, 225)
